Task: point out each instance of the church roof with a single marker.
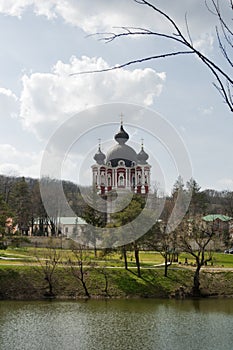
(122, 136)
(121, 151)
(142, 156)
(99, 156)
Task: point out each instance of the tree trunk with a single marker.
(196, 282)
(32, 226)
(136, 254)
(83, 279)
(85, 288)
(166, 266)
(95, 250)
(50, 293)
(106, 284)
(50, 288)
(125, 258)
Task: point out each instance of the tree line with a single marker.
(20, 200)
(192, 234)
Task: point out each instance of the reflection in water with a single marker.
(117, 324)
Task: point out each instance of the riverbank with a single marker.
(30, 283)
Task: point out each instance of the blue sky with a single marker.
(45, 41)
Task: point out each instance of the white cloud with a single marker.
(48, 99)
(204, 42)
(102, 15)
(14, 7)
(15, 162)
(226, 183)
(18, 7)
(8, 103)
(206, 110)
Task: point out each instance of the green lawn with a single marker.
(148, 259)
(23, 278)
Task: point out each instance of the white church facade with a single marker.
(121, 167)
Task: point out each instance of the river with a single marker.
(143, 324)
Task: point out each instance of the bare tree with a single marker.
(224, 34)
(159, 238)
(78, 266)
(47, 264)
(104, 271)
(195, 238)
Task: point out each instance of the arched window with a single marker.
(139, 179)
(121, 181)
(121, 162)
(109, 180)
(102, 180)
(133, 180)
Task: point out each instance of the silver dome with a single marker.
(121, 152)
(142, 156)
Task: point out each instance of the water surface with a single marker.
(117, 324)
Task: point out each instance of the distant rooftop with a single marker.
(213, 217)
(71, 220)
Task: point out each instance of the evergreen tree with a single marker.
(198, 202)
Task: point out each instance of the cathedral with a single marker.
(121, 168)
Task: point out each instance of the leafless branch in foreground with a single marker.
(223, 80)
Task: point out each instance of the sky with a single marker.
(45, 107)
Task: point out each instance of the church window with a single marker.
(139, 179)
(133, 180)
(102, 180)
(121, 180)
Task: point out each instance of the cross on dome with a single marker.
(99, 141)
(121, 116)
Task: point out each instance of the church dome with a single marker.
(99, 156)
(121, 152)
(142, 156)
(121, 137)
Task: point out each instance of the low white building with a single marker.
(70, 226)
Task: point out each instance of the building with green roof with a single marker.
(221, 224)
(68, 226)
(220, 217)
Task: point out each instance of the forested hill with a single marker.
(20, 199)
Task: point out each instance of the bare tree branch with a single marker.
(187, 28)
(140, 60)
(131, 31)
(223, 48)
(224, 82)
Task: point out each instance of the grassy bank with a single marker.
(22, 276)
(25, 255)
(28, 282)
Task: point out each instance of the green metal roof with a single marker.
(213, 217)
(71, 220)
